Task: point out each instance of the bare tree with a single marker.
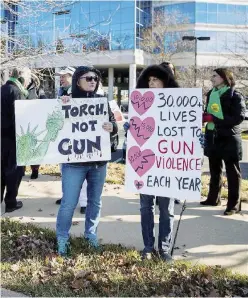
(163, 38)
(240, 55)
(21, 47)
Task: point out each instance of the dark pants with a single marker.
(233, 174)
(11, 175)
(166, 219)
(35, 168)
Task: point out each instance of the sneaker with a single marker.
(148, 255)
(58, 202)
(19, 205)
(165, 257)
(93, 242)
(34, 174)
(62, 247)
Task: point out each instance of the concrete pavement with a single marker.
(8, 293)
(205, 235)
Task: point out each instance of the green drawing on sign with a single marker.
(29, 149)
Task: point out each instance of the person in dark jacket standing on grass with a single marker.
(11, 174)
(225, 110)
(85, 83)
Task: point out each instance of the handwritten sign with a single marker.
(49, 132)
(163, 149)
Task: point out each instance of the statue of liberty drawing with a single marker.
(29, 149)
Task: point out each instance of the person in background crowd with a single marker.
(225, 110)
(83, 198)
(65, 76)
(84, 85)
(35, 92)
(11, 174)
(168, 64)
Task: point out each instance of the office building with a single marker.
(110, 35)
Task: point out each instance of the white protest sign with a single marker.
(163, 149)
(49, 132)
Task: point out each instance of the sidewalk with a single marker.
(205, 235)
(8, 293)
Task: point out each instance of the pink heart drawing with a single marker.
(141, 161)
(141, 103)
(138, 184)
(142, 130)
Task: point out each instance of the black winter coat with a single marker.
(225, 140)
(9, 94)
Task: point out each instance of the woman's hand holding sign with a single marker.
(108, 126)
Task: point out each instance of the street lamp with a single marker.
(191, 38)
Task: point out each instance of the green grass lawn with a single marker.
(29, 265)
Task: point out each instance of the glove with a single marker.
(202, 140)
(207, 117)
(126, 126)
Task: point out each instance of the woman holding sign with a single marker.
(224, 112)
(156, 76)
(85, 83)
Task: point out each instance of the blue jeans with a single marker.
(73, 177)
(166, 219)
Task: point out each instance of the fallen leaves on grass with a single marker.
(31, 266)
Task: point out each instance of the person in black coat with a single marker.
(225, 110)
(11, 174)
(85, 82)
(35, 92)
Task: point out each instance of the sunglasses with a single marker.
(89, 79)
